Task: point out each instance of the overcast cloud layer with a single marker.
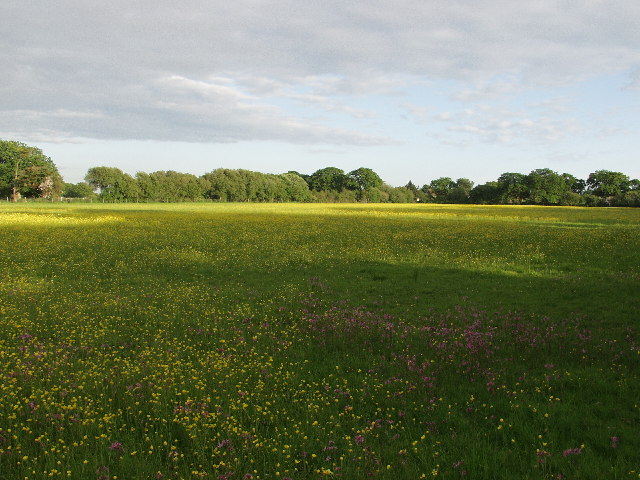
(332, 73)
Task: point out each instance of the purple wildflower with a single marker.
(117, 446)
(571, 451)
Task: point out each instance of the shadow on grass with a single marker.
(413, 291)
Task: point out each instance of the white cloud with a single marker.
(417, 113)
(508, 126)
(490, 88)
(177, 108)
(217, 88)
(214, 71)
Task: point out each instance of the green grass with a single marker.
(318, 341)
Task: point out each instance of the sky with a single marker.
(414, 89)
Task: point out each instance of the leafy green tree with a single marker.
(267, 188)
(374, 195)
(411, 186)
(630, 198)
(112, 184)
(487, 193)
(401, 195)
(170, 186)
(78, 190)
(574, 187)
(571, 198)
(418, 195)
(440, 188)
(428, 194)
(27, 172)
(247, 186)
(333, 196)
(102, 178)
(461, 192)
(248, 179)
(605, 183)
(148, 187)
(278, 188)
(329, 178)
(579, 186)
(547, 187)
(296, 188)
(365, 178)
(304, 176)
(215, 181)
(513, 188)
(225, 185)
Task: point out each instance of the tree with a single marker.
(365, 178)
(401, 195)
(330, 178)
(296, 187)
(78, 190)
(304, 176)
(579, 186)
(513, 188)
(630, 198)
(225, 185)
(113, 184)
(605, 183)
(487, 193)
(375, 195)
(27, 172)
(460, 193)
(102, 178)
(148, 187)
(440, 188)
(428, 194)
(418, 195)
(411, 186)
(547, 187)
(169, 186)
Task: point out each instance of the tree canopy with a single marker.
(605, 183)
(27, 172)
(365, 178)
(329, 178)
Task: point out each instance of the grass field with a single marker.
(274, 341)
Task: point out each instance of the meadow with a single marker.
(311, 341)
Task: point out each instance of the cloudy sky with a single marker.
(415, 89)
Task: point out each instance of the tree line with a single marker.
(26, 172)
(331, 184)
(539, 187)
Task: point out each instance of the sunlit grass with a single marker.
(246, 341)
